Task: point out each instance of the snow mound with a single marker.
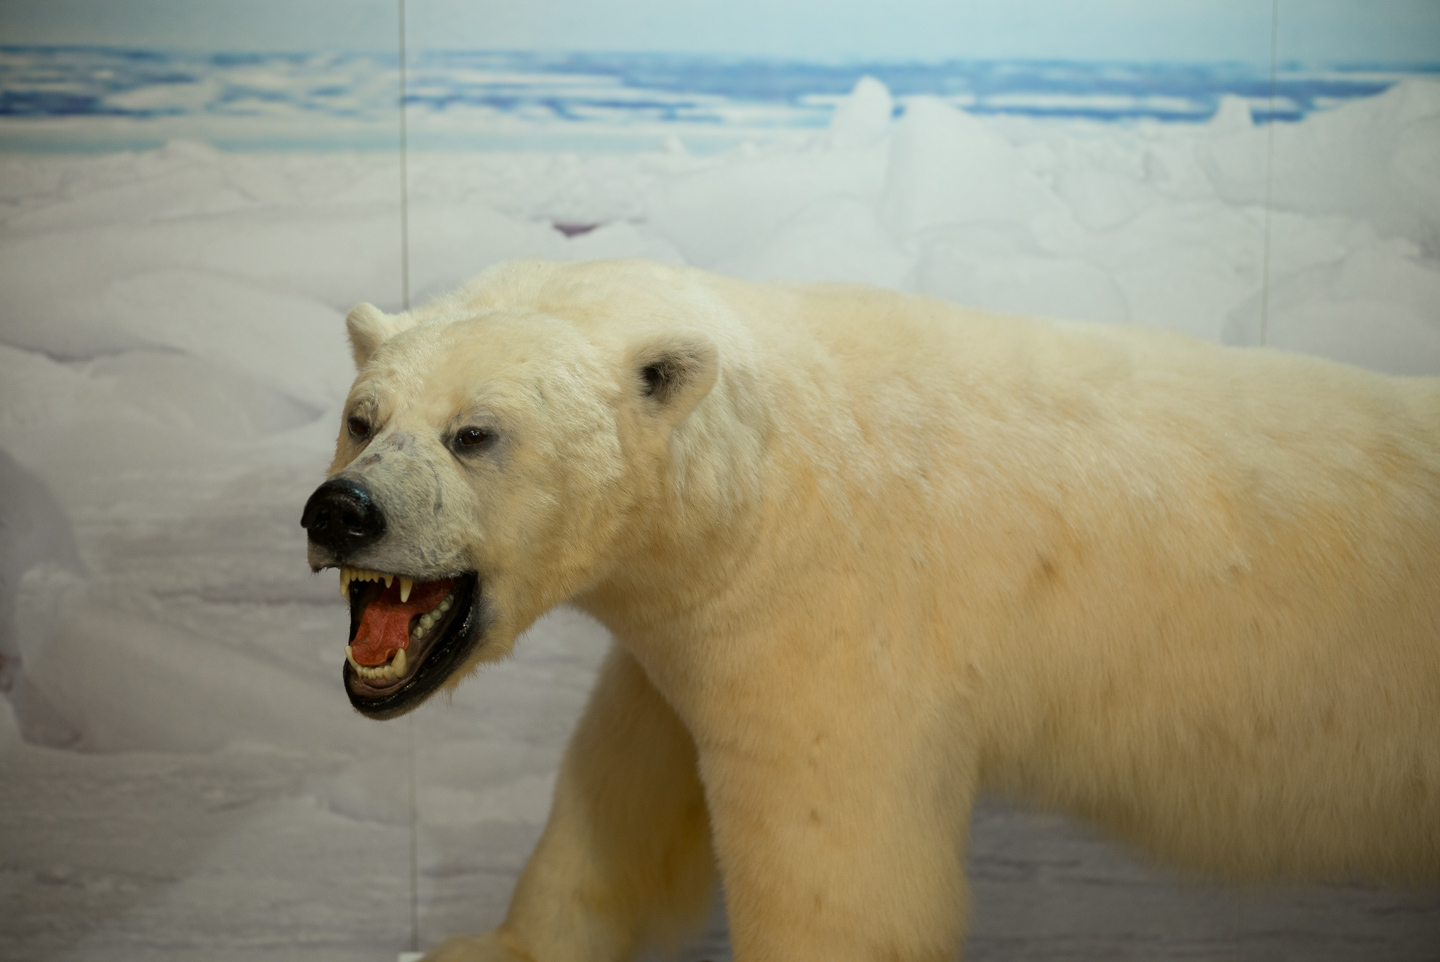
(947, 166)
(1372, 160)
(728, 208)
(862, 118)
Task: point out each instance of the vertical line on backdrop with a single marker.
(1269, 175)
(404, 178)
(414, 843)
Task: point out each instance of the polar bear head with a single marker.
(502, 450)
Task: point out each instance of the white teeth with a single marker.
(393, 669)
(348, 575)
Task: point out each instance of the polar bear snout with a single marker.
(342, 517)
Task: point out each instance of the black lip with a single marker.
(439, 662)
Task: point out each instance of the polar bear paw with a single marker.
(490, 947)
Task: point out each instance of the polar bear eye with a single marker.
(359, 427)
(473, 437)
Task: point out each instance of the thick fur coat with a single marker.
(864, 555)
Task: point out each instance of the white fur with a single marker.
(882, 552)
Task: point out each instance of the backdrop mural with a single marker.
(192, 195)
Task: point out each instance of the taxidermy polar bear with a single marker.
(864, 555)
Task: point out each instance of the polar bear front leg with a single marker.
(625, 858)
(847, 848)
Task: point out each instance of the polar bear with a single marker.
(863, 555)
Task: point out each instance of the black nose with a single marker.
(341, 516)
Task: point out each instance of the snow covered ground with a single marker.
(180, 772)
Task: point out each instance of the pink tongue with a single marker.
(385, 622)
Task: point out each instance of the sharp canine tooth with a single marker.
(405, 585)
(398, 662)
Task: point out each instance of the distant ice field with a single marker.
(103, 99)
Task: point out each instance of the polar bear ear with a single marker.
(369, 327)
(674, 371)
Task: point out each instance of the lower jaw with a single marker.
(390, 698)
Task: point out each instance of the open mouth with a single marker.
(406, 637)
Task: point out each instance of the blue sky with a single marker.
(1387, 31)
